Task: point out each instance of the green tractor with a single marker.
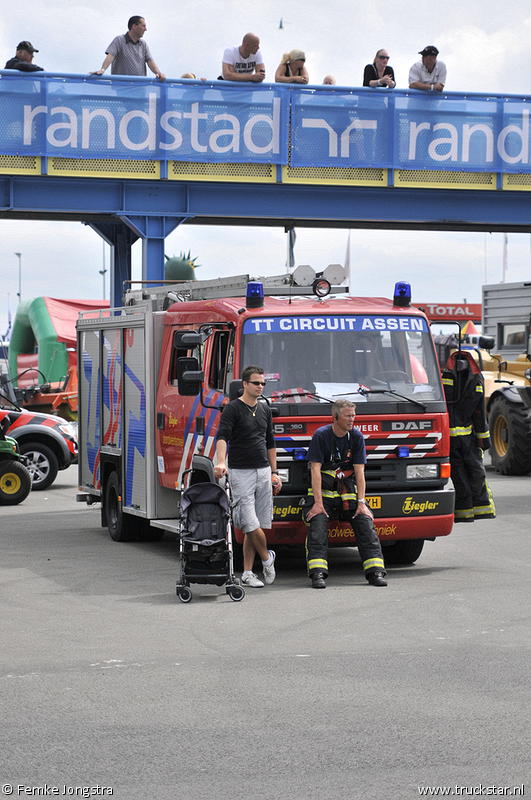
(15, 478)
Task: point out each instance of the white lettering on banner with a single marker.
(358, 124)
(452, 141)
(393, 324)
(257, 323)
(232, 133)
(68, 126)
(150, 118)
(87, 117)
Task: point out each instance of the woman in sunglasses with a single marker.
(292, 68)
(379, 73)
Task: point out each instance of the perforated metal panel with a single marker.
(20, 165)
(519, 182)
(192, 170)
(103, 168)
(339, 176)
(441, 179)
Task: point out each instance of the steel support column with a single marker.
(153, 231)
(121, 238)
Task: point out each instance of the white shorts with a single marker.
(252, 493)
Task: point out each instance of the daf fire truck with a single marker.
(155, 375)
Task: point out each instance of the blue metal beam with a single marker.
(174, 202)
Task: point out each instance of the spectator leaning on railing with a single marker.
(23, 59)
(428, 74)
(128, 53)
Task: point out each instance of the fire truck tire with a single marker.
(148, 534)
(510, 435)
(122, 527)
(404, 552)
(15, 483)
(42, 464)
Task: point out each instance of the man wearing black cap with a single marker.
(23, 59)
(429, 75)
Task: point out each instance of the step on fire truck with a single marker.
(155, 375)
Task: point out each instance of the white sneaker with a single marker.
(250, 579)
(269, 572)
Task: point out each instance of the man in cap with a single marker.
(23, 59)
(429, 74)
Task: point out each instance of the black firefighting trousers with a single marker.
(473, 498)
(367, 540)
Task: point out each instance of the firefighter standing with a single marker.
(337, 463)
(464, 389)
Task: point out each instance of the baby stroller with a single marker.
(206, 532)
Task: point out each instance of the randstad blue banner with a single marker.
(73, 116)
(410, 130)
(140, 119)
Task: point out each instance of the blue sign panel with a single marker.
(410, 130)
(222, 122)
(142, 120)
(335, 324)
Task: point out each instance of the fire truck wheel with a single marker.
(510, 432)
(148, 534)
(122, 527)
(15, 483)
(42, 464)
(404, 552)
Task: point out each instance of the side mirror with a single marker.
(235, 389)
(189, 377)
(187, 340)
(486, 342)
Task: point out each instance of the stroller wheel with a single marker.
(236, 593)
(184, 594)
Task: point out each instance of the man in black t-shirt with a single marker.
(337, 469)
(246, 427)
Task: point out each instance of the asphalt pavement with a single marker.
(112, 687)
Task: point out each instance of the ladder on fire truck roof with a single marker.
(303, 281)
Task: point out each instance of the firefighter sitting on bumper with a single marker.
(337, 468)
(464, 389)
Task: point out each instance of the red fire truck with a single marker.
(155, 374)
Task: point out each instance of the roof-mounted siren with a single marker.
(254, 297)
(402, 295)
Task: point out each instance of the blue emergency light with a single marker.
(299, 454)
(255, 294)
(402, 295)
(402, 452)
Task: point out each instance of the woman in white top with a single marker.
(292, 68)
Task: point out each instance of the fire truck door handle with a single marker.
(160, 420)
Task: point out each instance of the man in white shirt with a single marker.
(244, 62)
(429, 74)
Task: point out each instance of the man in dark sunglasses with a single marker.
(246, 430)
(429, 74)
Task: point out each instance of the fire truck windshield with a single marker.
(322, 358)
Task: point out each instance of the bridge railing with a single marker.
(286, 129)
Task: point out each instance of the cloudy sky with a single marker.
(483, 44)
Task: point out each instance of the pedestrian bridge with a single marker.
(133, 157)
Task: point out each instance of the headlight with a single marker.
(67, 429)
(415, 472)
